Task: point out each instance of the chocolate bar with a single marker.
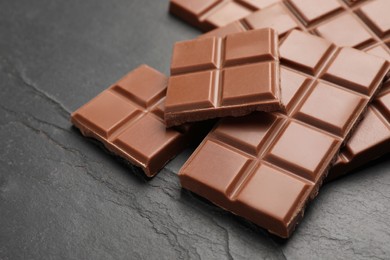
(371, 139)
(266, 167)
(362, 24)
(210, 14)
(128, 118)
(367, 142)
(216, 77)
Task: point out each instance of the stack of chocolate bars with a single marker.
(298, 89)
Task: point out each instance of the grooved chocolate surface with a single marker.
(210, 14)
(128, 119)
(360, 24)
(266, 167)
(231, 76)
(364, 24)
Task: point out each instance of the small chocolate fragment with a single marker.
(210, 14)
(216, 77)
(128, 119)
(267, 167)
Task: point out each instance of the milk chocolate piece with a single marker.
(210, 14)
(267, 167)
(371, 139)
(128, 119)
(362, 24)
(355, 23)
(216, 77)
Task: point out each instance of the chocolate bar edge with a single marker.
(198, 115)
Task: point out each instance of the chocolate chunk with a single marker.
(216, 77)
(128, 119)
(267, 167)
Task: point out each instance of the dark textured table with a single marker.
(63, 197)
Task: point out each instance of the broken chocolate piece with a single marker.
(210, 14)
(267, 167)
(128, 119)
(216, 77)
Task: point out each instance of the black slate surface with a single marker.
(61, 197)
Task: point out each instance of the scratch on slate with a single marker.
(13, 71)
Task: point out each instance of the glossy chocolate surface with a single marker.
(128, 119)
(267, 167)
(216, 77)
(360, 24)
(210, 14)
(364, 24)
